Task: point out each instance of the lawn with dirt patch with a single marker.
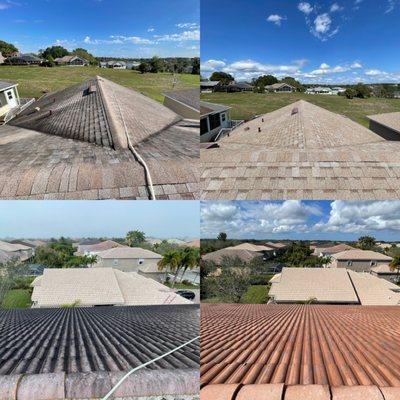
(17, 298)
(248, 104)
(34, 81)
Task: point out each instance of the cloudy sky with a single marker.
(122, 28)
(293, 219)
(335, 41)
(45, 219)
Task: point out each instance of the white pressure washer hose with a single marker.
(107, 396)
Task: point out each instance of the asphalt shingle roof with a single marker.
(190, 97)
(5, 85)
(390, 120)
(302, 151)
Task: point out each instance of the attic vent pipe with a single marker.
(259, 129)
(295, 111)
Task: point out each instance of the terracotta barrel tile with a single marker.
(308, 392)
(261, 392)
(356, 393)
(219, 392)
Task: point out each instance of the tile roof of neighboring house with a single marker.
(176, 241)
(252, 247)
(189, 97)
(5, 256)
(6, 85)
(194, 243)
(358, 254)
(39, 162)
(325, 285)
(320, 155)
(95, 348)
(277, 245)
(11, 247)
(68, 59)
(347, 348)
(99, 287)
(374, 291)
(279, 85)
(334, 249)
(390, 120)
(129, 252)
(229, 252)
(97, 247)
(209, 83)
(383, 269)
(209, 108)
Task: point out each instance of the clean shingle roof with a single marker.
(189, 97)
(302, 151)
(39, 159)
(209, 108)
(251, 247)
(358, 254)
(229, 252)
(390, 120)
(11, 247)
(129, 252)
(97, 247)
(6, 85)
(334, 249)
(99, 286)
(300, 345)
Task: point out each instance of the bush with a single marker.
(256, 280)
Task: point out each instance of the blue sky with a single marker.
(44, 219)
(336, 41)
(124, 28)
(294, 219)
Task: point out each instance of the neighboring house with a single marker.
(358, 260)
(233, 87)
(184, 102)
(320, 90)
(208, 86)
(30, 243)
(153, 241)
(72, 60)
(2, 58)
(385, 272)
(213, 118)
(386, 246)
(178, 242)
(332, 286)
(18, 251)
(193, 243)
(281, 88)
(91, 287)
(396, 94)
(131, 259)
(94, 249)
(113, 64)
(9, 98)
(386, 125)
(219, 256)
(24, 59)
(278, 247)
(328, 251)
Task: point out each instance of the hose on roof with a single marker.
(136, 154)
(107, 396)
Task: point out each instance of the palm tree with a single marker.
(171, 260)
(190, 259)
(366, 242)
(133, 238)
(395, 266)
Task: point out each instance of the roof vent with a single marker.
(295, 111)
(247, 128)
(262, 119)
(259, 129)
(92, 89)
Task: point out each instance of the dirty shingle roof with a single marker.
(389, 120)
(189, 97)
(5, 85)
(302, 152)
(97, 339)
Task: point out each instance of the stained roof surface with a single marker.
(190, 97)
(5, 85)
(301, 151)
(219, 255)
(97, 339)
(300, 345)
(390, 120)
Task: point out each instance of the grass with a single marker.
(248, 104)
(17, 298)
(256, 294)
(33, 81)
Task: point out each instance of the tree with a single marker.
(395, 266)
(144, 67)
(222, 236)
(86, 55)
(366, 242)
(55, 52)
(196, 66)
(350, 93)
(171, 260)
(156, 65)
(293, 82)
(10, 272)
(362, 91)
(265, 80)
(134, 238)
(190, 259)
(7, 49)
(222, 77)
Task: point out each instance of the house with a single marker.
(396, 94)
(386, 246)
(9, 98)
(328, 251)
(386, 125)
(193, 243)
(113, 64)
(108, 123)
(81, 353)
(2, 58)
(278, 247)
(218, 257)
(358, 260)
(208, 86)
(280, 88)
(299, 352)
(233, 87)
(184, 102)
(385, 272)
(300, 151)
(213, 119)
(131, 259)
(332, 286)
(321, 90)
(96, 248)
(71, 60)
(24, 59)
(90, 287)
(16, 251)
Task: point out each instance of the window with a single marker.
(215, 121)
(140, 261)
(203, 126)
(349, 263)
(115, 262)
(223, 117)
(373, 263)
(10, 95)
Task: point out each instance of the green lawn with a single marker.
(248, 104)
(17, 298)
(256, 294)
(33, 81)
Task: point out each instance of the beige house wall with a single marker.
(357, 265)
(128, 264)
(4, 107)
(181, 109)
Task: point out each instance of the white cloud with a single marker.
(188, 25)
(276, 19)
(356, 65)
(212, 65)
(324, 66)
(391, 5)
(305, 7)
(373, 72)
(322, 23)
(151, 29)
(193, 35)
(7, 4)
(118, 39)
(335, 7)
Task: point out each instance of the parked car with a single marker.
(187, 294)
